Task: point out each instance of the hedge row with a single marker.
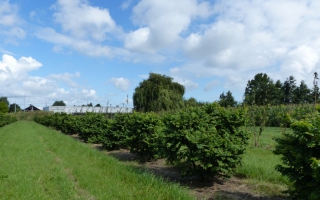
(6, 119)
(202, 141)
(275, 116)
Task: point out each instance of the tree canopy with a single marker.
(158, 93)
(227, 100)
(59, 103)
(259, 90)
(5, 99)
(14, 108)
(3, 107)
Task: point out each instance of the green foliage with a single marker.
(5, 100)
(6, 119)
(158, 93)
(14, 108)
(227, 100)
(117, 132)
(143, 134)
(3, 107)
(205, 141)
(300, 153)
(59, 103)
(259, 91)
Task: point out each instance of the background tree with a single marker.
(227, 100)
(191, 102)
(59, 103)
(158, 93)
(5, 99)
(14, 108)
(288, 89)
(303, 94)
(3, 107)
(259, 90)
(276, 93)
(98, 105)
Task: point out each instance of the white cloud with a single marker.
(89, 93)
(66, 78)
(9, 66)
(80, 45)
(188, 84)
(16, 81)
(122, 84)
(126, 4)
(81, 20)
(277, 37)
(10, 22)
(8, 14)
(209, 86)
(162, 22)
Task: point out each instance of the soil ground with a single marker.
(231, 189)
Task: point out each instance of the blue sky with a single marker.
(83, 51)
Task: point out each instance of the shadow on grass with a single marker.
(214, 189)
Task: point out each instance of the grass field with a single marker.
(39, 163)
(259, 163)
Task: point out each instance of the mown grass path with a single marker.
(40, 163)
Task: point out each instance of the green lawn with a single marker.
(258, 164)
(40, 163)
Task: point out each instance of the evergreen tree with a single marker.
(227, 100)
(277, 95)
(259, 90)
(158, 93)
(288, 89)
(302, 94)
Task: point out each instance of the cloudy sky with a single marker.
(97, 51)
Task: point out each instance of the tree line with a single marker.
(262, 90)
(160, 93)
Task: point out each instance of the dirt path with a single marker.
(231, 189)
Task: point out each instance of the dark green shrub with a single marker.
(117, 132)
(300, 153)
(205, 141)
(142, 134)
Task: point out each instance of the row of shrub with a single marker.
(276, 116)
(6, 119)
(202, 141)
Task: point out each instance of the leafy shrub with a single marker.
(143, 134)
(117, 132)
(205, 141)
(6, 119)
(300, 153)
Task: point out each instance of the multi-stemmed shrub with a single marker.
(143, 134)
(205, 141)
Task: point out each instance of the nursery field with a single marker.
(40, 163)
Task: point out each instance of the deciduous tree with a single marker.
(158, 93)
(59, 103)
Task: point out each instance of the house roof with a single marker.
(31, 108)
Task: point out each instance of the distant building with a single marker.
(85, 109)
(31, 108)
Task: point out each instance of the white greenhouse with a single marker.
(85, 109)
